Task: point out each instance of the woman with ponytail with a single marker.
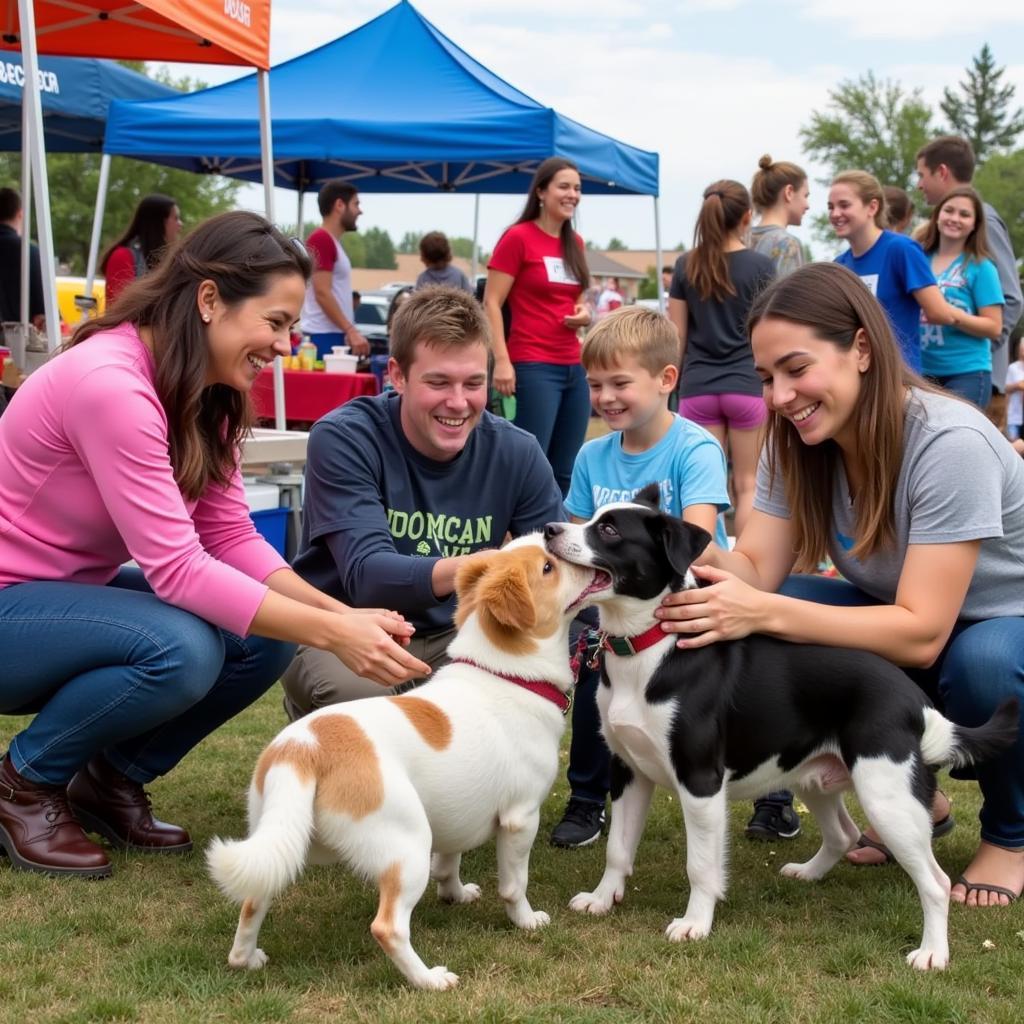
(539, 266)
(126, 446)
(712, 290)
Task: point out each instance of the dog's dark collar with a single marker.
(625, 646)
(538, 686)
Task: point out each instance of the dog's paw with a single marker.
(437, 979)
(533, 920)
(253, 961)
(467, 893)
(682, 929)
(799, 871)
(928, 960)
(591, 903)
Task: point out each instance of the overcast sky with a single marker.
(710, 85)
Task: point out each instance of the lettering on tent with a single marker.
(14, 74)
(239, 11)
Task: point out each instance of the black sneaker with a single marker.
(581, 824)
(773, 821)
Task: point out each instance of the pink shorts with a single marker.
(737, 412)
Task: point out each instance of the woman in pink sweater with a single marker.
(125, 446)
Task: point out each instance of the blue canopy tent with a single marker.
(76, 93)
(393, 106)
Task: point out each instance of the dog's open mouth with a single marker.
(601, 581)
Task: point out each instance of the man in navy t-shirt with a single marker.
(402, 488)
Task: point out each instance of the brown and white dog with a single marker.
(398, 788)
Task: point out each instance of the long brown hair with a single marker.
(572, 251)
(834, 303)
(725, 205)
(976, 244)
(240, 252)
(148, 227)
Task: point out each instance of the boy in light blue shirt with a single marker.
(631, 358)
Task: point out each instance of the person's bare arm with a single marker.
(499, 284)
(677, 313)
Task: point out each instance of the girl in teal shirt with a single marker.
(960, 358)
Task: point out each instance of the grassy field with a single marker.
(150, 944)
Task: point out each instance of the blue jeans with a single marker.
(325, 342)
(553, 404)
(116, 670)
(976, 386)
(981, 665)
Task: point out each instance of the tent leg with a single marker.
(26, 223)
(267, 161)
(476, 233)
(298, 214)
(658, 257)
(33, 106)
(97, 227)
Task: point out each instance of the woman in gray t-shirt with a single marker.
(918, 499)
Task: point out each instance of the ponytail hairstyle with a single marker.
(899, 207)
(868, 188)
(771, 179)
(240, 253)
(976, 244)
(572, 251)
(726, 203)
(833, 302)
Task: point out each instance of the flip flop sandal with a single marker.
(986, 887)
(864, 842)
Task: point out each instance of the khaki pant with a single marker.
(317, 678)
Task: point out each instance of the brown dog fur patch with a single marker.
(383, 927)
(427, 719)
(343, 762)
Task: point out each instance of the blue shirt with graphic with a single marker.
(378, 514)
(893, 269)
(969, 285)
(687, 464)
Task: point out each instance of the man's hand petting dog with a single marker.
(722, 608)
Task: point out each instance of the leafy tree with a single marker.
(1001, 182)
(980, 109)
(410, 242)
(648, 287)
(871, 125)
(379, 249)
(616, 245)
(354, 245)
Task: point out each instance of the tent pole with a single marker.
(658, 257)
(30, 62)
(97, 227)
(476, 233)
(298, 213)
(267, 160)
(26, 223)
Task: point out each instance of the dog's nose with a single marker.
(552, 530)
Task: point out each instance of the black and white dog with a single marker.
(737, 719)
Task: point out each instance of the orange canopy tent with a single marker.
(193, 31)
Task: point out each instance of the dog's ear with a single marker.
(683, 543)
(467, 577)
(504, 595)
(650, 496)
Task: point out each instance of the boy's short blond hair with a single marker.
(633, 332)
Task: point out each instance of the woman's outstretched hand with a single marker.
(370, 642)
(725, 608)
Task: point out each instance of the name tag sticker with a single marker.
(557, 271)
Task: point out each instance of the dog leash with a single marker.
(538, 686)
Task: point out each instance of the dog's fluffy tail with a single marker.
(268, 861)
(947, 744)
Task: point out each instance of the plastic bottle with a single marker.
(307, 354)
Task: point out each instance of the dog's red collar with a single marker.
(538, 686)
(627, 645)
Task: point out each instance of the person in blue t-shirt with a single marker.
(960, 358)
(402, 487)
(631, 360)
(894, 267)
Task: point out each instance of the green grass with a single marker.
(150, 944)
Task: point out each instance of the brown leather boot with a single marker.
(39, 833)
(118, 808)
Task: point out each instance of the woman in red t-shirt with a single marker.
(539, 266)
(155, 224)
